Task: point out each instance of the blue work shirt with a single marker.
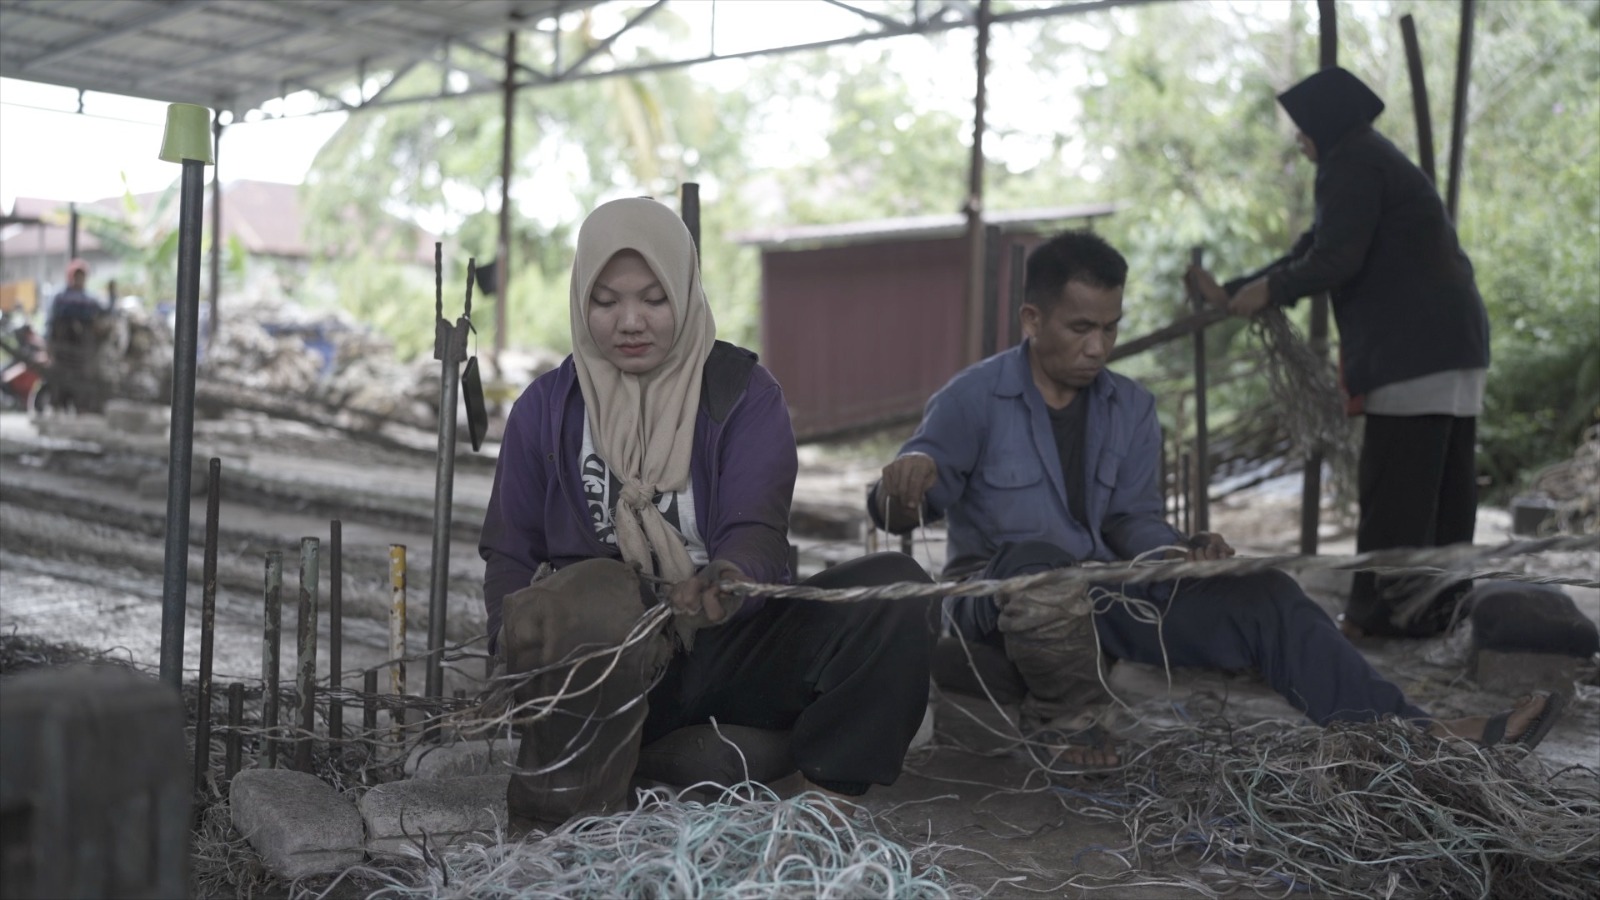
(1000, 477)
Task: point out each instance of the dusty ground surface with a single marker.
(82, 517)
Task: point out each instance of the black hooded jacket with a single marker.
(1403, 290)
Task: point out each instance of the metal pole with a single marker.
(335, 629)
(444, 490)
(306, 680)
(72, 231)
(175, 571)
(271, 649)
(369, 710)
(1202, 451)
(973, 343)
(217, 237)
(1458, 117)
(502, 269)
(235, 722)
(689, 208)
(1419, 97)
(397, 619)
(1019, 276)
(1311, 477)
(992, 248)
(208, 625)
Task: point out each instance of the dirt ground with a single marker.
(82, 514)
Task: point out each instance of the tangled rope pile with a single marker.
(747, 843)
(1371, 810)
(1307, 397)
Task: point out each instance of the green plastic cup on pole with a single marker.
(187, 141)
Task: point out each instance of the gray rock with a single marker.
(438, 811)
(1517, 673)
(297, 822)
(462, 759)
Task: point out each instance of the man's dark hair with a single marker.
(1071, 256)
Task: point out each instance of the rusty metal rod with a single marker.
(271, 650)
(1168, 333)
(235, 722)
(306, 679)
(208, 624)
(335, 628)
(397, 619)
(369, 710)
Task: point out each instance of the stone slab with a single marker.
(442, 811)
(297, 822)
(1517, 673)
(463, 759)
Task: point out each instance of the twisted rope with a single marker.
(1453, 561)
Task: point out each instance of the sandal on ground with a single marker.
(1494, 731)
(1048, 745)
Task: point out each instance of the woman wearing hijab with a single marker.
(653, 465)
(1413, 336)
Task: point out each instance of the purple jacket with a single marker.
(742, 468)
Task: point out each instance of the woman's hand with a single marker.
(1202, 282)
(1251, 299)
(699, 600)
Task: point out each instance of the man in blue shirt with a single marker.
(73, 332)
(1039, 457)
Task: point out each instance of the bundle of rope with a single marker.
(1370, 810)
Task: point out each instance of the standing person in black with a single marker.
(1413, 338)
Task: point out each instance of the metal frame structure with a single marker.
(240, 54)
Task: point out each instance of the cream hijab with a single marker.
(643, 425)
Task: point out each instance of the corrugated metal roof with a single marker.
(237, 54)
(916, 227)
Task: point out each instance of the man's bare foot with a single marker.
(1523, 716)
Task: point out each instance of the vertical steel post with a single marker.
(180, 454)
(307, 658)
(208, 624)
(1183, 489)
(217, 238)
(1311, 477)
(992, 249)
(1458, 116)
(271, 652)
(972, 343)
(369, 711)
(1019, 278)
(1419, 97)
(1202, 439)
(335, 629)
(235, 722)
(450, 350)
(502, 269)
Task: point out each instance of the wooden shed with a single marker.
(861, 322)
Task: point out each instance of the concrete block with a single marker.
(297, 822)
(94, 785)
(442, 811)
(462, 759)
(1517, 673)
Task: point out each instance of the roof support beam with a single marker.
(605, 44)
(885, 21)
(169, 11)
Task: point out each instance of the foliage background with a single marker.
(1166, 108)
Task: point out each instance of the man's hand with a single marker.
(700, 600)
(906, 482)
(1208, 545)
(1205, 284)
(1251, 299)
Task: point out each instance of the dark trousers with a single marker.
(1259, 621)
(1418, 488)
(849, 680)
